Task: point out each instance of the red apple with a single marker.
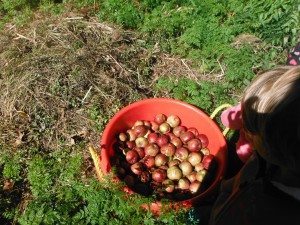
(154, 126)
(151, 149)
(159, 175)
(164, 128)
(152, 137)
(138, 123)
(132, 156)
(177, 142)
(181, 153)
(168, 149)
(173, 120)
(194, 145)
(162, 140)
(194, 131)
(186, 136)
(149, 161)
(141, 142)
(178, 130)
(204, 140)
(160, 160)
(160, 118)
(140, 151)
(207, 161)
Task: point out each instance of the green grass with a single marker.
(205, 30)
(59, 196)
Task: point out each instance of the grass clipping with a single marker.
(64, 78)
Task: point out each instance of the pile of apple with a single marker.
(164, 154)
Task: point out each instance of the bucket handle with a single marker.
(96, 160)
(217, 110)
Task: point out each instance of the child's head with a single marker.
(271, 115)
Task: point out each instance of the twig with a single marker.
(170, 58)
(100, 25)
(139, 80)
(54, 37)
(189, 69)
(110, 56)
(34, 36)
(94, 4)
(10, 27)
(74, 18)
(98, 89)
(22, 36)
(222, 71)
(87, 93)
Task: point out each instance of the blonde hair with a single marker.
(271, 112)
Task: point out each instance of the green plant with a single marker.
(206, 95)
(61, 197)
(239, 67)
(39, 177)
(98, 116)
(275, 21)
(167, 21)
(12, 169)
(11, 166)
(7, 5)
(82, 3)
(52, 7)
(123, 12)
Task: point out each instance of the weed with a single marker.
(60, 197)
(205, 95)
(12, 169)
(96, 115)
(167, 21)
(50, 7)
(123, 12)
(275, 21)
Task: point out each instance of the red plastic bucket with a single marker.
(190, 117)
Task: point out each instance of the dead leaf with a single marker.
(8, 185)
(23, 115)
(19, 141)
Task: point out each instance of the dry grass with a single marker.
(177, 67)
(55, 71)
(63, 78)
